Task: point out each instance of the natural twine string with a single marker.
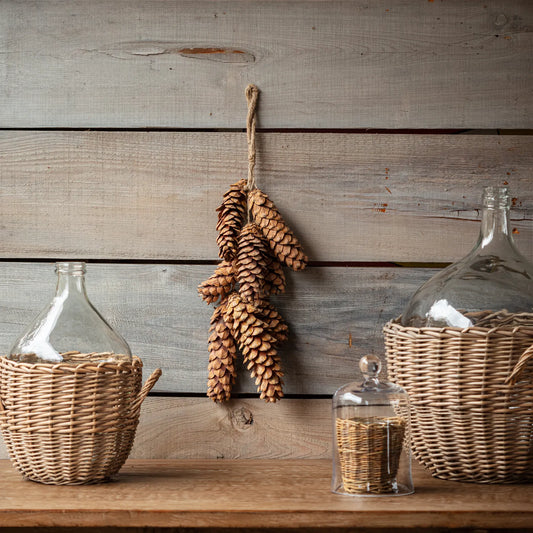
(252, 95)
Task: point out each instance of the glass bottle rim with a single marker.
(71, 267)
(496, 197)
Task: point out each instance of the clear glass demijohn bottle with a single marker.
(70, 330)
(491, 285)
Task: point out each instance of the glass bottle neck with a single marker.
(495, 227)
(70, 280)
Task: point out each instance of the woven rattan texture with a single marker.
(70, 424)
(369, 453)
(469, 422)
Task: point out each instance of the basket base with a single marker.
(459, 444)
(55, 481)
(490, 478)
(54, 459)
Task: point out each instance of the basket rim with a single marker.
(69, 368)
(475, 331)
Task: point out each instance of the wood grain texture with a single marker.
(261, 493)
(256, 530)
(253, 530)
(197, 428)
(335, 316)
(133, 195)
(320, 64)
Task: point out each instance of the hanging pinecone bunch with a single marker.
(254, 244)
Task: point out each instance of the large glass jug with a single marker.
(70, 329)
(492, 285)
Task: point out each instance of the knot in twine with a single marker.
(252, 95)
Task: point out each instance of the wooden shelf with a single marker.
(253, 494)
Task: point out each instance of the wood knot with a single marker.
(242, 418)
(500, 20)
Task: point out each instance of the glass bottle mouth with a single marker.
(76, 268)
(496, 197)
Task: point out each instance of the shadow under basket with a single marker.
(67, 424)
(471, 394)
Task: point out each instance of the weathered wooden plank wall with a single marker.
(350, 197)
(321, 64)
(144, 201)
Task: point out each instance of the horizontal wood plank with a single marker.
(260, 493)
(244, 428)
(289, 529)
(132, 195)
(197, 428)
(335, 315)
(320, 64)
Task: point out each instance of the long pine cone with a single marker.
(258, 346)
(222, 355)
(266, 370)
(282, 241)
(252, 263)
(231, 217)
(219, 284)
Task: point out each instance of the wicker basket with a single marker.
(70, 424)
(369, 453)
(471, 395)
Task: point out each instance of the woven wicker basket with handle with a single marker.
(67, 424)
(471, 393)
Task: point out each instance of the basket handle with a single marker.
(147, 387)
(2, 408)
(519, 367)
